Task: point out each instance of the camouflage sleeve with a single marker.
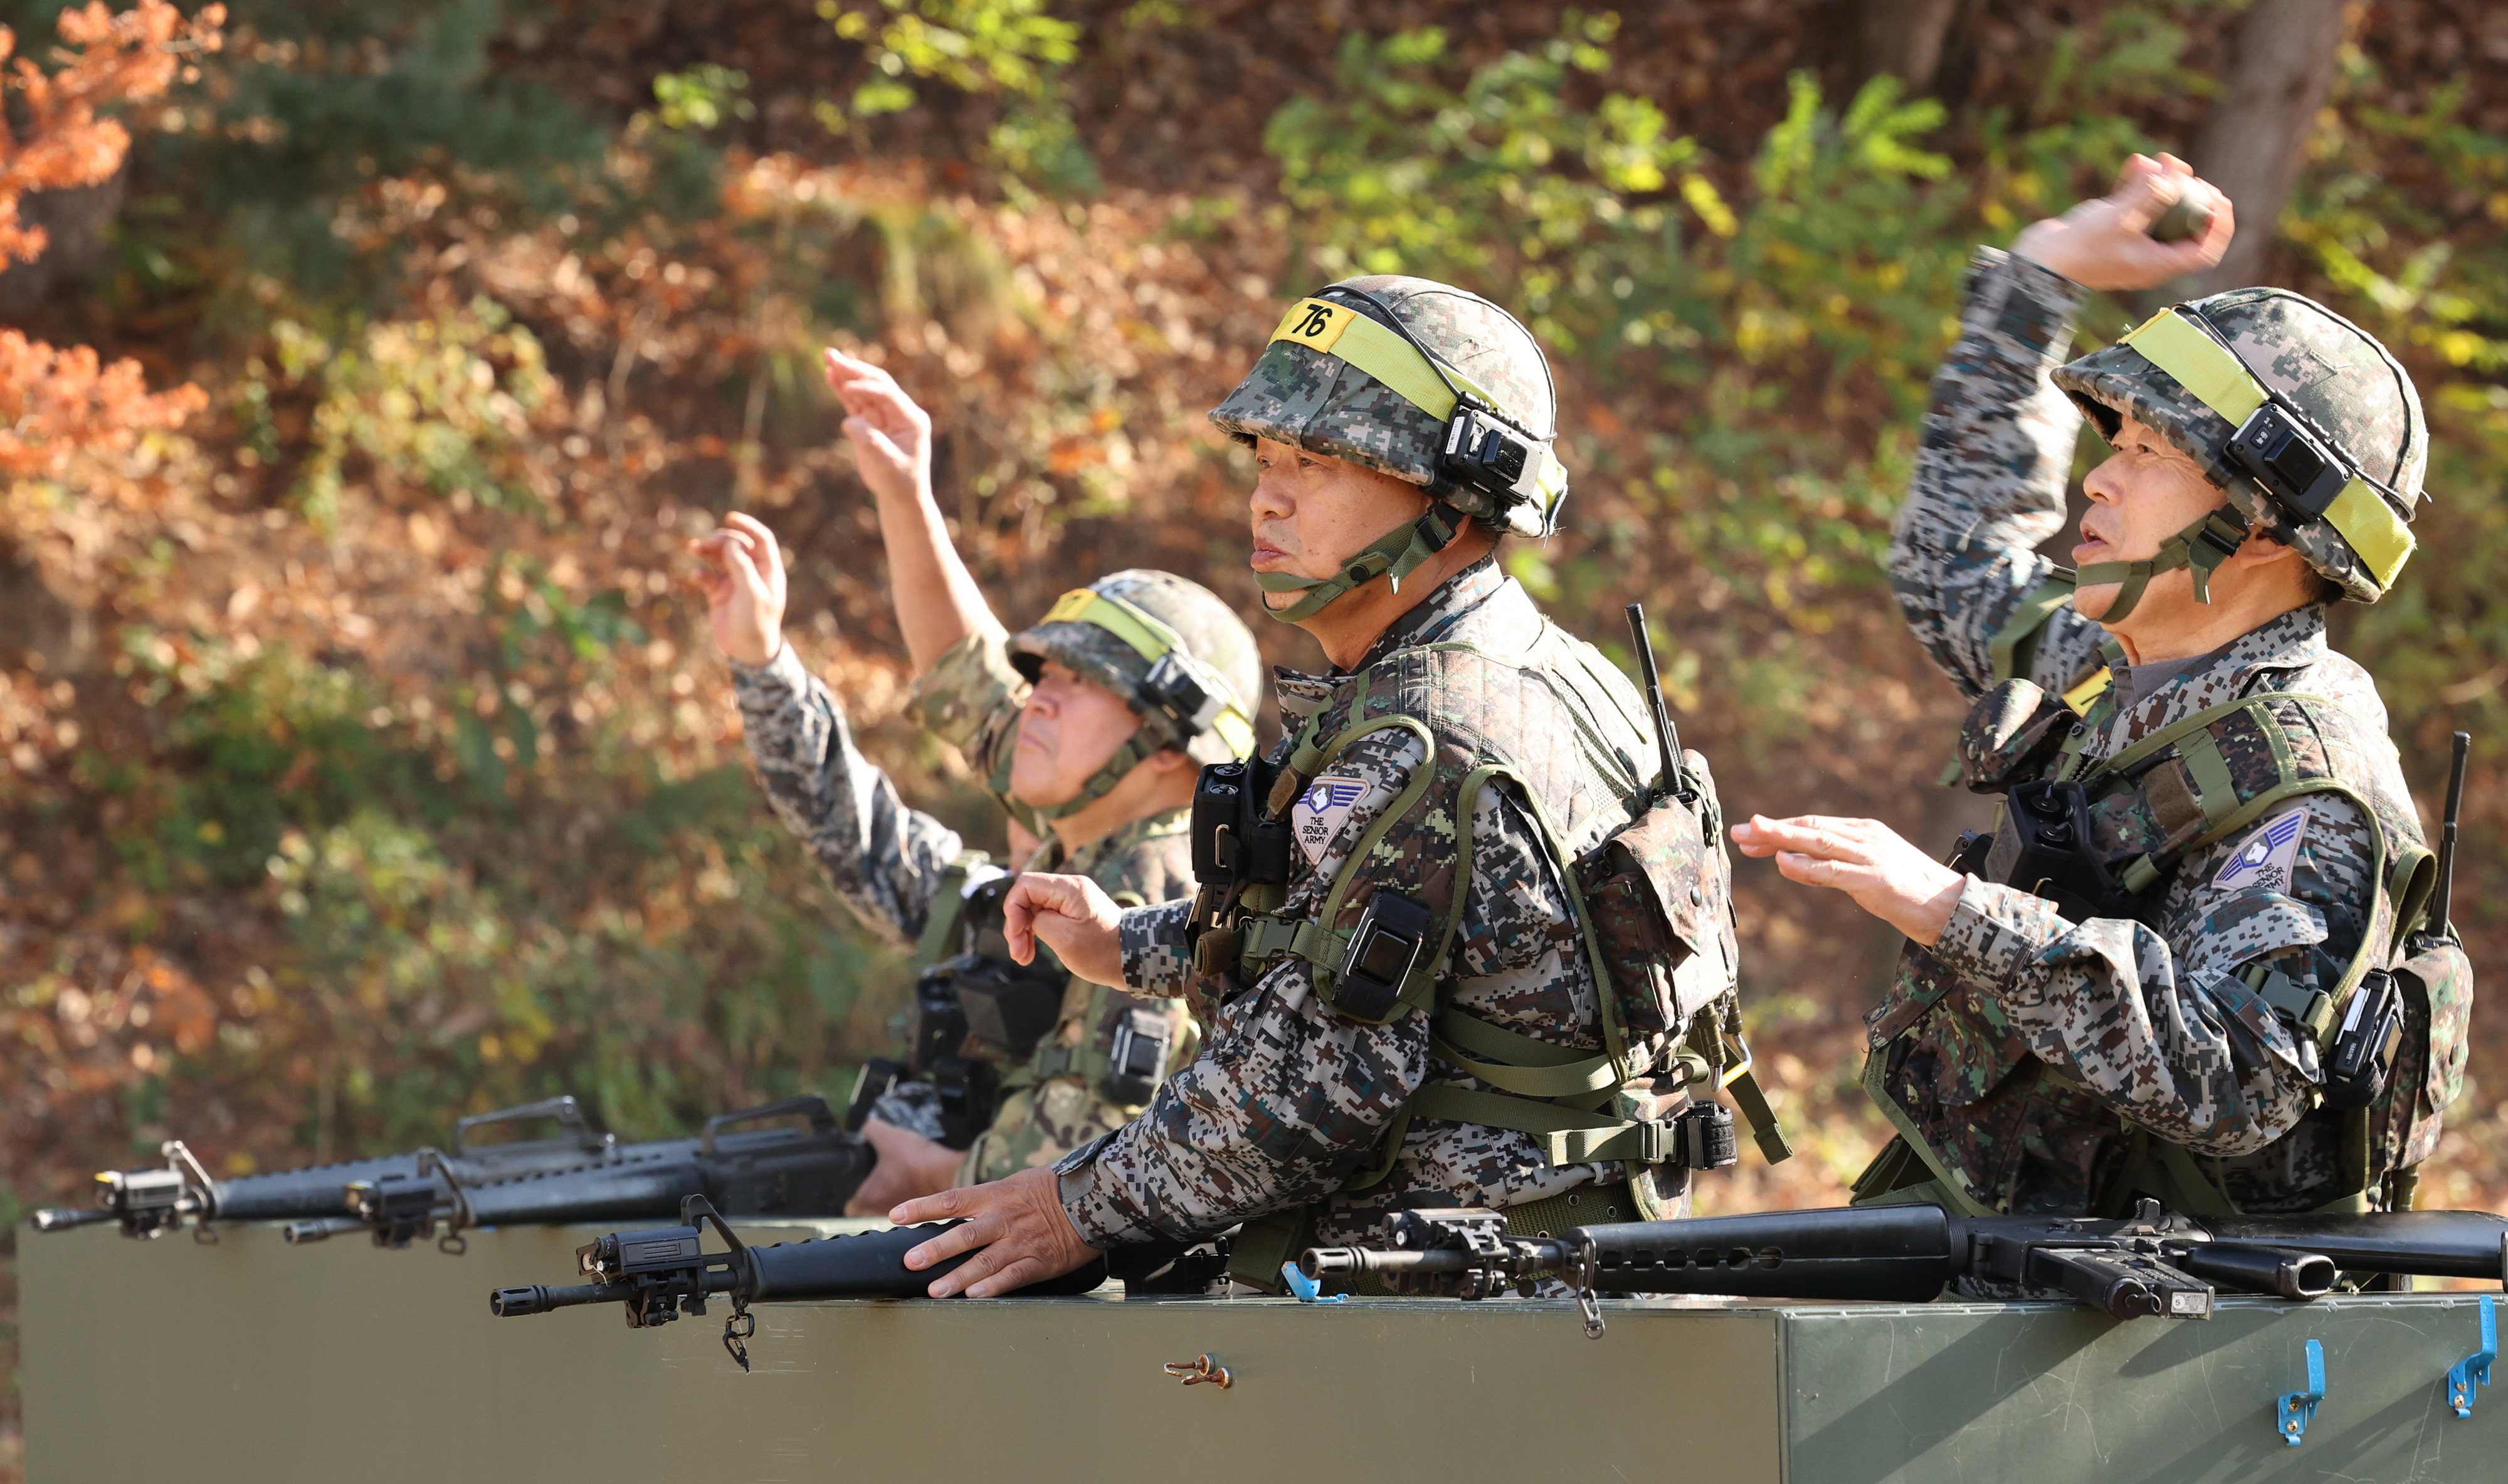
(2160, 1026)
(1991, 467)
(970, 698)
(1157, 949)
(885, 859)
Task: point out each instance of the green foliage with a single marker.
(703, 96)
(1011, 49)
(1785, 311)
(438, 403)
(340, 96)
(2435, 287)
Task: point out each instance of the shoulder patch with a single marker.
(2267, 855)
(1321, 810)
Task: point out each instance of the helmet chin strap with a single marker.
(1399, 551)
(1136, 748)
(2200, 547)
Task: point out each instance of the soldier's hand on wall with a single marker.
(742, 576)
(892, 437)
(1017, 1223)
(1074, 917)
(2104, 243)
(1865, 859)
(909, 1165)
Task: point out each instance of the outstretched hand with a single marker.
(892, 436)
(2105, 243)
(1865, 859)
(1074, 917)
(742, 577)
(1015, 1227)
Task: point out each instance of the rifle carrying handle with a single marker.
(564, 1108)
(823, 1118)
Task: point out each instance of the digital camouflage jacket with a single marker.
(891, 862)
(2039, 1058)
(1289, 1099)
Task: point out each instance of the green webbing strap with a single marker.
(1519, 1063)
(1399, 551)
(948, 904)
(1263, 1244)
(2201, 547)
(1765, 1130)
(2012, 643)
(2310, 1009)
(1137, 746)
(2216, 793)
(1568, 1137)
(2215, 376)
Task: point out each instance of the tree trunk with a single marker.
(1904, 38)
(2281, 61)
(74, 221)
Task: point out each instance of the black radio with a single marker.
(1234, 843)
(2057, 860)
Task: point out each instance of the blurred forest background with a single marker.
(363, 764)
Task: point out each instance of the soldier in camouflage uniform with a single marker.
(2258, 858)
(1439, 778)
(1073, 738)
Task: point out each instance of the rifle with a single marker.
(2151, 1263)
(765, 1171)
(662, 1273)
(149, 1203)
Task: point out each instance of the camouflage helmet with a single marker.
(2290, 364)
(1169, 649)
(1312, 388)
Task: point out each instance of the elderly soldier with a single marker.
(1409, 905)
(1088, 729)
(2166, 974)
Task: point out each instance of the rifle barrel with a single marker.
(60, 1218)
(535, 1298)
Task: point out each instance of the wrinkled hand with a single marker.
(1865, 859)
(2104, 243)
(1019, 1225)
(892, 437)
(1074, 917)
(742, 577)
(909, 1165)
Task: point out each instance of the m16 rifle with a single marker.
(662, 1273)
(149, 1203)
(757, 1172)
(2155, 1263)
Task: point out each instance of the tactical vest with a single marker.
(1971, 1101)
(1650, 888)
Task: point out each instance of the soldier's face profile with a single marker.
(2146, 491)
(1313, 512)
(1068, 728)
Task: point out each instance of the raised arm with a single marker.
(888, 861)
(1997, 447)
(937, 601)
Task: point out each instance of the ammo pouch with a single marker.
(1659, 893)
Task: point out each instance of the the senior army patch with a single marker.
(2267, 855)
(1322, 810)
